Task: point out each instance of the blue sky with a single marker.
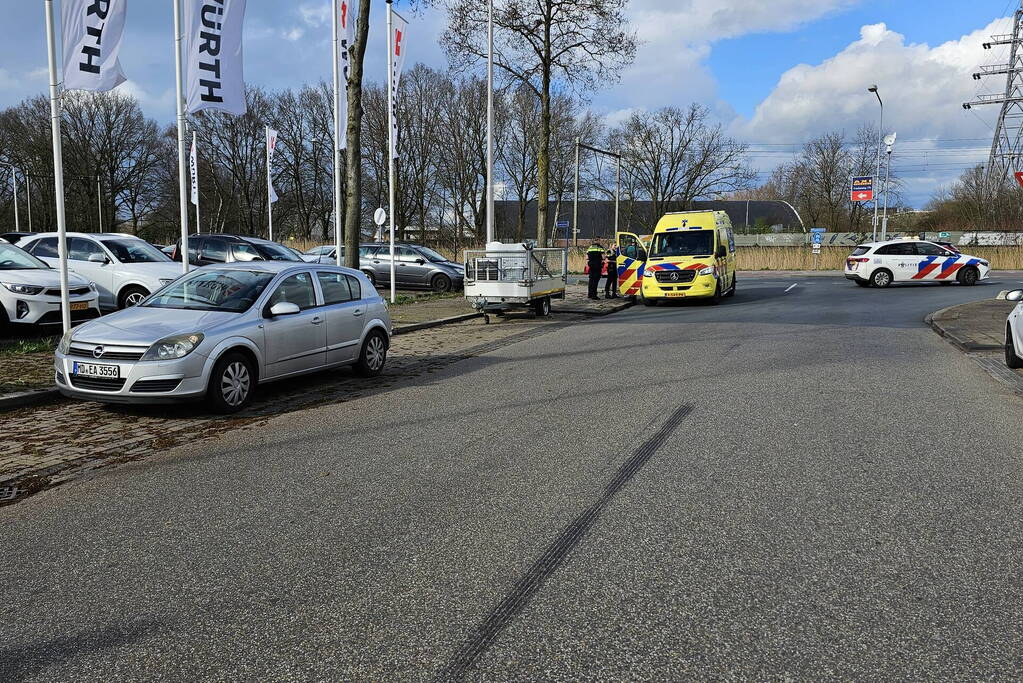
(773, 73)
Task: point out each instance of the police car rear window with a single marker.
(860, 251)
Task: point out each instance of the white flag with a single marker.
(214, 78)
(398, 40)
(193, 167)
(346, 31)
(271, 145)
(92, 40)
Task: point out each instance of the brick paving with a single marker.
(46, 445)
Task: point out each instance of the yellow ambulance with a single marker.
(691, 255)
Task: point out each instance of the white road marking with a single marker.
(793, 285)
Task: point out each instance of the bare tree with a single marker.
(577, 43)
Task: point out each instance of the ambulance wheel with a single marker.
(716, 299)
(542, 307)
(968, 276)
(1012, 359)
(882, 277)
(731, 292)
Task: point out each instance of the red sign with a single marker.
(862, 189)
(1019, 177)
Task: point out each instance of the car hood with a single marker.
(144, 325)
(452, 264)
(43, 277)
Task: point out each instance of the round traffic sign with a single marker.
(380, 216)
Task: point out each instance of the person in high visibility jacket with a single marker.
(595, 262)
(611, 286)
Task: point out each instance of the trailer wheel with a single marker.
(542, 307)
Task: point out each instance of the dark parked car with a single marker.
(204, 250)
(416, 266)
(14, 237)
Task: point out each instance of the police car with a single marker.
(1014, 332)
(879, 264)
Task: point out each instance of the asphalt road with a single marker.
(804, 482)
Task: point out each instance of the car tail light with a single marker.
(859, 260)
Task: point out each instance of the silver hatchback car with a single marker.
(220, 330)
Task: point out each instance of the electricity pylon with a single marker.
(1007, 146)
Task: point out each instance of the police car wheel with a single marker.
(881, 278)
(1012, 360)
(968, 276)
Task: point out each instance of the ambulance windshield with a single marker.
(687, 243)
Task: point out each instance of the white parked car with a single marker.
(124, 268)
(30, 291)
(1014, 332)
(221, 330)
(880, 264)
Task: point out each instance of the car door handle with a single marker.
(317, 320)
(357, 312)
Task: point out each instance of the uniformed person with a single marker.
(595, 261)
(611, 286)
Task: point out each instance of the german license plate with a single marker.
(78, 305)
(96, 370)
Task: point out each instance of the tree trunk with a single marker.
(543, 160)
(353, 196)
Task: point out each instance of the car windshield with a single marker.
(135, 251)
(276, 252)
(860, 251)
(13, 258)
(432, 255)
(232, 291)
(687, 243)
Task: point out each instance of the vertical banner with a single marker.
(92, 41)
(214, 78)
(271, 145)
(193, 168)
(346, 36)
(398, 40)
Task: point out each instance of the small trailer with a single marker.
(504, 277)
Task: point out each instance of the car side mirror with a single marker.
(284, 308)
(1014, 295)
(421, 262)
(98, 258)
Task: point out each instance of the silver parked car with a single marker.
(415, 266)
(220, 330)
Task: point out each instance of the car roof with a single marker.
(279, 266)
(94, 235)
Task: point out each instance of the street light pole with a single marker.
(490, 123)
(880, 133)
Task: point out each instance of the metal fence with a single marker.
(522, 265)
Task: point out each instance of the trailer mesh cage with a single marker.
(523, 265)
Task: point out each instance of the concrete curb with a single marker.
(413, 327)
(27, 399)
(956, 336)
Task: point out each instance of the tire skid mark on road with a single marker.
(49, 445)
(555, 555)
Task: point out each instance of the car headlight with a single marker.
(28, 290)
(709, 270)
(172, 348)
(65, 343)
(648, 273)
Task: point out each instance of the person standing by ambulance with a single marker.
(611, 286)
(595, 263)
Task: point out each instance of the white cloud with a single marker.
(315, 15)
(923, 88)
(292, 34)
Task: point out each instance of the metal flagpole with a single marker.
(269, 202)
(618, 192)
(99, 201)
(575, 198)
(14, 179)
(28, 191)
(195, 146)
(390, 137)
(182, 179)
(58, 166)
(491, 219)
(337, 134)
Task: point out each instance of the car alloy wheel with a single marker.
(133, 296)
(881, 278)
(235, 383)
(376, 353)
